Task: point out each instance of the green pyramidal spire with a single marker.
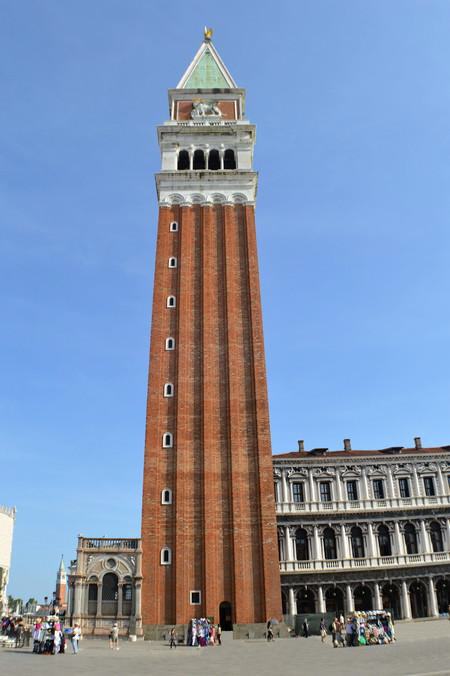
(207, 70)
(206, 74)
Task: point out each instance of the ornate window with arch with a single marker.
(403, 487)
(384, 540)
(301, 545)
(329, 543)
(357, 541)
(428, 484)
(436, 537)
(110, 594)
(298, 491)
(410, 539)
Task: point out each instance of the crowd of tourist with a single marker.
(48, 634)
(16, 630)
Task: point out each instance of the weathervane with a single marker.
(207, 32)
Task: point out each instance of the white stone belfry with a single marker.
(207, 144)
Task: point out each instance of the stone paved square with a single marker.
(423, 648)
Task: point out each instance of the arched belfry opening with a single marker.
(183, 160)
(226, 616)
(214, 160)
(199, 160)
(229, 159)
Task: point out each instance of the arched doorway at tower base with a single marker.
(225, 616)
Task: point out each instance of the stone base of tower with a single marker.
(160, 632)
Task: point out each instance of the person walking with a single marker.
(219, 634)
(57, 638)
(173, 638)
(305, 628)
(76, 633)
(323, 630)
(114, 637)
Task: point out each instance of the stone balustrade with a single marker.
(361, 505)
(367, 562)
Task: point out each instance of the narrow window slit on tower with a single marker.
(167, 440)
(173, 226)
(168, 390)
(170, 343)
(171, 301)
(172, 262)
(166, 496)
(166, 556)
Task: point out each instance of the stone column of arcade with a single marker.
(406, 603)
(349, 599)
(285, 496)
(365, 487)
(390, 483)
(434, 612)
(344, 543)
(399, 546)
(77, 601)
(378, 603)
(99, 600)
(138, 593)
(120, 599)
(289, 545)
(292, 602)
(321, 600)
(317, 547)
(424, 537)
(372, 550)
(447, 529)
(312, 492)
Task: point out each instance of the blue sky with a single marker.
(352, 104)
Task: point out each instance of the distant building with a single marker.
(361, 530)
(7, 519)
(105, 585)
(61, 587)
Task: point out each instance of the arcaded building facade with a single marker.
(360, 530)
(208, 517)
(104, 585)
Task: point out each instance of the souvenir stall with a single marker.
(201, 632)
(374, 627)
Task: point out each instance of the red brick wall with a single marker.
(222, 526)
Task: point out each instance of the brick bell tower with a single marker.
(208, 524)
